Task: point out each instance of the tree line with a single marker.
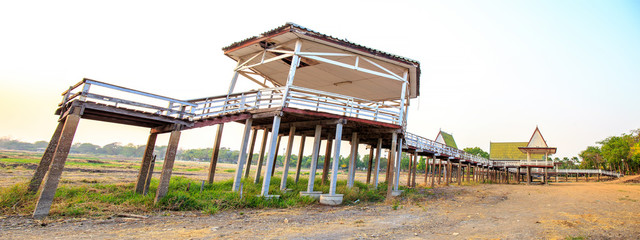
(615, 153)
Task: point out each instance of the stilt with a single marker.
(300, 157)
(459, 175)
(370, 165)
(378, 153)
(528, 175)
(287, 158)
(327, 160)
(214, 155)
(415, 169)
(273, 168)
(314, 164)
(392, 154)
(440, 172)
(389, 158)
(352, 160)
(146, 161)
(271, 157)
(518, 175)
(447, 173)
(546, 176)
(332, 198)
(52, 177)
(45, 161)
(252, 145)
(397, 166)
(410, 171)
(167, 166)
(242, 157)
(147, 180)
(263, 145)
(433, 171)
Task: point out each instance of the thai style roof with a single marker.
(537, 144)
(510, 151)
(446, 139)
(321, 75)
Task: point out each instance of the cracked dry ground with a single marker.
(589, 210)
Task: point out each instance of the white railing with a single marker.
(300, 98)
(536, 163)
(237, 102)
(588, 171)
(117, 96)
(424, 144)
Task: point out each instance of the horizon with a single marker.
(491, 71)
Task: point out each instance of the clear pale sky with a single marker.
(491, 70)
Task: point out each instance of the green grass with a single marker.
(68, 162)
(94, 199)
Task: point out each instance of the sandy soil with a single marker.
(590, 210)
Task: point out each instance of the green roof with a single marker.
(510, 151)
(448, 139)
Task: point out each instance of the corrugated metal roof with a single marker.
(292, 27)
(510, 151)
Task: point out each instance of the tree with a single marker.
(591, 158)
(477, 151)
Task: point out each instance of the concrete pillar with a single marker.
(546, 175)
(263, 145)
(45, 161)
(271, 157)
(300, 157)
(528, 175)
(273, 168)
(397, 165)
(146, 161)
(392, 154)
(332, 198)
(336, 159)
(327, 160)
(370, 165)
(287, 158)
(52, 177)
(389, 158)
(468, 168)
(216, 151)
(433, 171)
(314, 158)
(242, 157)
(167, 167)
(352, 160)
(252, 145)
(447, 173)
(378, 153)
(147, 180)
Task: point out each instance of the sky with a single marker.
(491, 70)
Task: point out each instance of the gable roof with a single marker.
(537, 140)
(446, 139)
(341, 74)
(510, 151)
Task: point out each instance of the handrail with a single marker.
(83, 91)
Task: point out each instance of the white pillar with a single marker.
(378, 153)
(336, 159)
(287, 158)
(271, 158)
(314, 158)
(352, 160)
(243, 154)
(398, 161)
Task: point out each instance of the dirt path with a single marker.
(590, 210)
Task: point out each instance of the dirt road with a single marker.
(589, 210)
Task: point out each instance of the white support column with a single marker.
(287, 158)
(398, 161)
(243, 155)
(314, 158)
(271, 158)
(402, 100)
(332, 198)
(352, 160)
(336, 157)
(378, 153)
